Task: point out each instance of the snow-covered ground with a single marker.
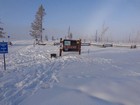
(99, 76)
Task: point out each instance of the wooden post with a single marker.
(80, 47)
(61, 47)
(4, 61)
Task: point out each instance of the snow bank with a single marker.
(99, 76)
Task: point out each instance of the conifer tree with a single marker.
(37, 25)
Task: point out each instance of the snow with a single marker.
(99, 76)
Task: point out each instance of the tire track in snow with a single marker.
(34, 78)
(31, 82)
(7, 92)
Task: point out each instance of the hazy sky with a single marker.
(83, 16)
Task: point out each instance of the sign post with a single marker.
(4, 61)
(3, 50)
(61, 47)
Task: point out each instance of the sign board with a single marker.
(71, 45)
(3, 47)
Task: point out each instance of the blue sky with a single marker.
(83, 16)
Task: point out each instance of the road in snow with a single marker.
(100, 76)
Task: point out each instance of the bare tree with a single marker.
(1, 32)
(53, 38)
(37, 25)
(104, 30)
(70, 35)
(137, 39)
(46, 37)
(96, 36)
(68, 32)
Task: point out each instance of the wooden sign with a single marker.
(70, 46)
